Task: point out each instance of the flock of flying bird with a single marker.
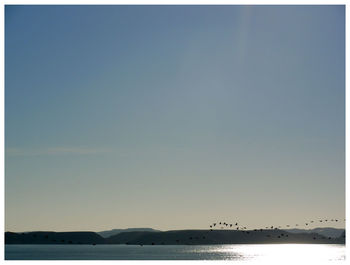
(236, 226)
(244, 229)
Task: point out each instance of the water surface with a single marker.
(267, 252)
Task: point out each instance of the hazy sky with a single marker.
(173, 117)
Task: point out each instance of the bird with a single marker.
(236, 224)
(214, 224)
(230, 225)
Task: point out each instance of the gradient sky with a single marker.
(173, 117)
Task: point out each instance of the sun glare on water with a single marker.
(290, 253)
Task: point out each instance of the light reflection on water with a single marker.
(278, 252)
(247, 252)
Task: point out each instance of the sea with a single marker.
(311, 253)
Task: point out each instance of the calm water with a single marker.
(269, 252)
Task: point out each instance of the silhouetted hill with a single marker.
(125, 237)
(204, 237)
(43, 237)
(325, 231)
(175, 237)
(109, 233)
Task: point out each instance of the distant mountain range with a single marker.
(175, 237)
(47, 237)
(113, 232)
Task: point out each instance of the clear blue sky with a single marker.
(173, 117)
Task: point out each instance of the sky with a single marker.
(173, 117)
